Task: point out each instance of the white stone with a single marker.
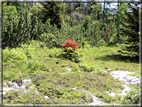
(68, 68)
(121, 75)
(46, 96)
(16, 86)
(96, 101)
(25, 81)
(6, 89)
(74, 88)
(32, 87)
(79, 70)
(37, 92)
(23, 86)
(4, 92)
(10, 82)
(123, 91)
(111, 94)
(5, 84)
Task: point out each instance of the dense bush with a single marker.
(27, 24)
(20, 26)
(50, 40)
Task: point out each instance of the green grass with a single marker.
(50, 76)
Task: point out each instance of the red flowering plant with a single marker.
(69, 51)
(69, 43)
(108, 30)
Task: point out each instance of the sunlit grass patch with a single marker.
(107, 58)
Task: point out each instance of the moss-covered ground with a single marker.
(50, 76)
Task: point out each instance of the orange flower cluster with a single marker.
(108, 30)
(69, 43)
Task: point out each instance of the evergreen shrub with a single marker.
(69, 51)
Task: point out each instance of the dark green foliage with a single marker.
(15, 26)
(130, 29)
(54, 12)
(86, 23)
(19, 26)
(41, 22)
(24, 21)
(50, 39)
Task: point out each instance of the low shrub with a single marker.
(72, 55)
(12, 55)
(69, 51)
(87, 67)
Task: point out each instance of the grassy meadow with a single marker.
(50, 76)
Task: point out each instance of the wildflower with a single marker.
(108, 30)
(69, 43)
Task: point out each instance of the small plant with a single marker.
(69, 54)
(85, 45)
(87, 67)
(69, 51)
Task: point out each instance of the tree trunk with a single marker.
(103, 11)
(117, 22)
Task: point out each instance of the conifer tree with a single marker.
(54, 12)
(130, 29)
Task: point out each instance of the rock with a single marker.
(18, 81)
(74, 88)
(20, 94)
(96, 101)
(122, 75)
(5, 85)
(32, 87)
(16, 84)
(25, 81)
(68, 68)
(46, 96)
(37, 92)
(79, 70)
(6, 89)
